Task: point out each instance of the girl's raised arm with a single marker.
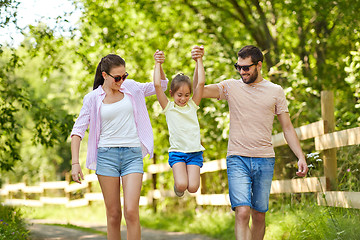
(199, 80)
(158, 74)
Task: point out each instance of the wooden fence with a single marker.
(320, 131)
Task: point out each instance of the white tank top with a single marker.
(118, 127)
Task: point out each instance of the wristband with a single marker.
(74, 163)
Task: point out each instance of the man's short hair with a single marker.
(251, 51)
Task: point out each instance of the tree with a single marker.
(309, 46)
(11, 97)
(18, 103)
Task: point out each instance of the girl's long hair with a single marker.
(105, 65)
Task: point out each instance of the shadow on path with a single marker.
(39, 230)
(50, 232)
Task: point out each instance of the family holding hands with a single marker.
(120, 136)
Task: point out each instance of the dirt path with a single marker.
(40, 231)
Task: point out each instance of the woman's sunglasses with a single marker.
(118, 78)
(245, 68)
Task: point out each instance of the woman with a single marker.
(120, 135)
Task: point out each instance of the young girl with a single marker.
(120, 136)
(185, 152)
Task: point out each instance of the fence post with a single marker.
(25, 180)
(89, 188)
(68, 179)
(203, 189)
(330, 161)
(154, 180)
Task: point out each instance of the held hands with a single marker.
(197, 52)
(159, 56)
(302, 168)
(76, 173)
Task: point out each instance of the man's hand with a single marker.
(197, 52)
(303, 168)
(159, 56)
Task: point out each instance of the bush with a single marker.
(12, 225)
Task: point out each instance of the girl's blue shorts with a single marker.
(193, 158)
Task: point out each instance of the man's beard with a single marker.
(252, 78)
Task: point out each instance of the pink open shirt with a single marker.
(90, 115)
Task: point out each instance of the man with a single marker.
(253, 102)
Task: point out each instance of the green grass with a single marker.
(314, 223)
(95, 213)
(298, 221)
(306, 220)
(12, 225)
(290, 217)
(218, 223)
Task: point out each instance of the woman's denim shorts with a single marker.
(250, 181)
(119, 161)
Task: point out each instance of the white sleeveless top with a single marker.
(118, 127)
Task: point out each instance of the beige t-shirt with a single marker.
(252, 109)
(184, 128)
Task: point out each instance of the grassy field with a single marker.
(288, 218)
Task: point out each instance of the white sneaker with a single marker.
(177, 193)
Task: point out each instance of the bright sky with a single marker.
(33, 11)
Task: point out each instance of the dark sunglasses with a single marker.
(118, 78)
(245, 68)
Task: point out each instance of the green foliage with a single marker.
(12, 99)
(348, 169)
(8, 12)
(353, 80)
(52, 125)
(309, 46)
(151, 26)
(12, 224)
(19, 105)
(295, 51)
(10, 103)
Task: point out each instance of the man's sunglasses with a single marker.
(118, 78)
(245, 68)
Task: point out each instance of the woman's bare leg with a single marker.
(132, 189)
(110, 187)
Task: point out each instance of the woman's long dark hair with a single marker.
(105, 65)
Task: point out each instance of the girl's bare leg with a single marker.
(193, 172)
(180, 176)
